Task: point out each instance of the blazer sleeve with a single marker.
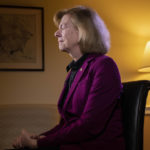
(54, 129)
(101, 101)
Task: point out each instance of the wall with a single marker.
(36, 87)
(127, 46)
(146, 132)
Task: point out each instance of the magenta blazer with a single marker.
(91, 114)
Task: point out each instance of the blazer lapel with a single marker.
(60, 101)
(77, 79)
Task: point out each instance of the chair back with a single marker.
(133, 104)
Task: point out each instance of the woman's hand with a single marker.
(17, 143)
(26, 140)
(37, 137)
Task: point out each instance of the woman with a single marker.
(89, 104)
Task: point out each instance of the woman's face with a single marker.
(67, 34)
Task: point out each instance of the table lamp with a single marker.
(145, 65)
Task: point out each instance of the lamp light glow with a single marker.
(145, 65)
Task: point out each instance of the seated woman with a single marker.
(89, 104)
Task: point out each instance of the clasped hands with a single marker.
(26, 140)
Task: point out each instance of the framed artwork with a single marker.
(21, 38)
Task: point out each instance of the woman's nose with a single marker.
(57, 33)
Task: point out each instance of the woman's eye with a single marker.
(62, 26)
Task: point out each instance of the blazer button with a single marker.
(81, 69)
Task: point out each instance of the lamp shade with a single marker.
(145, 65)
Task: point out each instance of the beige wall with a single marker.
(127, 49)
(146, 133)
(127, 39)
(36, 87)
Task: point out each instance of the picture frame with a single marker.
(21, 38)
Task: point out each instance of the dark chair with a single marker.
(133, 103)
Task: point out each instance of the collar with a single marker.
(75, 65)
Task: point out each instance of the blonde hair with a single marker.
(93, 34)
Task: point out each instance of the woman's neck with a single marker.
(76, 54)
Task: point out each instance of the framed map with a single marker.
(21, 38)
